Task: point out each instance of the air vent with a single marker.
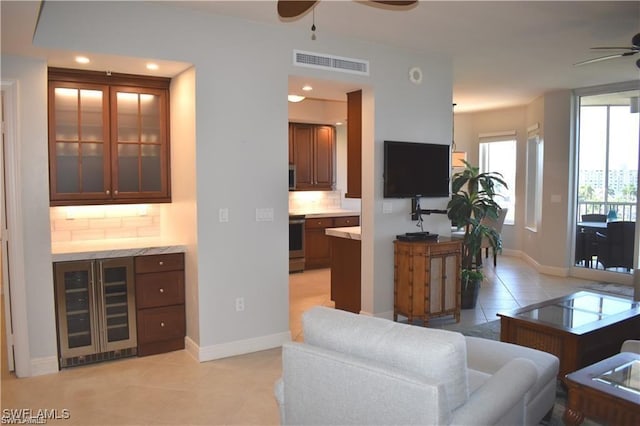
(330, 62)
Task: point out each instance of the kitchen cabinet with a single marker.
(95, 309)
(354, 145)
(312, 148)
(160, 303)
(427, 279)
(316, 243)
(108, 138)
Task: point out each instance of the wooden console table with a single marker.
(427, 279)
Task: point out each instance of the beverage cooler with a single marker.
(95, 304)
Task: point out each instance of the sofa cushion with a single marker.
(438, 355)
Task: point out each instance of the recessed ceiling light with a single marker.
(82, 60)
(295, 98)
(152, 66)
(307, 88)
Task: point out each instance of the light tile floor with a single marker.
(174, 389)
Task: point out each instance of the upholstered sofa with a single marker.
(355, 369)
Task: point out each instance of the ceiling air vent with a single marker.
(330, 62)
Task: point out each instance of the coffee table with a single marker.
(580, 329)
(607, 391)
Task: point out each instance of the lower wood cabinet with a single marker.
(427, 279)
(160, 303)
(317, 250)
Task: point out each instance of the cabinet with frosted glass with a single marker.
(108, 138)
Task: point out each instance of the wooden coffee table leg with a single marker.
(573, 415)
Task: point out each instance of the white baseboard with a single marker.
(556, 271)
(41, 366)
(239, 347)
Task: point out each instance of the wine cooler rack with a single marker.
(95, 303)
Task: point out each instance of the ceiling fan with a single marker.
(292, 8)
(622, 52)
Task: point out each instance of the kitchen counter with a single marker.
(324, 213)
(349, 232)
(345, 267)
(88, 250)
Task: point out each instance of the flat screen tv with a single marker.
(416, 170)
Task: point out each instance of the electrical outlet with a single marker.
(239, 304)
(223, 215)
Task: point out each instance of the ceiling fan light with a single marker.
(295, 98)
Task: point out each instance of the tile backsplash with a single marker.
(314, 201)
(86, 223)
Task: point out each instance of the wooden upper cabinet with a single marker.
(354, 145)
(313, 155)
(108, 138)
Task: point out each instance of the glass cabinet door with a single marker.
(76, 309)
(117, 295)
(140, 141)
(79, 141)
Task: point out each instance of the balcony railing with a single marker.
(624, 210)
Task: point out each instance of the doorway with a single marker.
(324, 104)
(607, 158)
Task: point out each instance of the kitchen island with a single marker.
(345, 267)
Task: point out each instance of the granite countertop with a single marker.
(349, 232)
(325, 213)
(88, 250)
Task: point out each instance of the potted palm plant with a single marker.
(472, 200)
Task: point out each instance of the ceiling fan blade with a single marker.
(636, 40)
(396, 3)
(291, 9)
(614, 48)
(602, 58)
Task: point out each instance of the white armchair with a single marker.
(354, 369)
(631, 346)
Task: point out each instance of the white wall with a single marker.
(31, 77)
(241, 156)
(180, 217)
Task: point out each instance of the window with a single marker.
(498, 154)
(533, 203)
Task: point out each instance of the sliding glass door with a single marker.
(607, 181)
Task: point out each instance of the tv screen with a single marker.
(416, 170)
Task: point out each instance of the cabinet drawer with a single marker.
(340, 222)
(159, 263)
(319, 223)
(159, 289)
(156, 324)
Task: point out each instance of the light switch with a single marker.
(387, 207)
(264, 215)
(223, 215)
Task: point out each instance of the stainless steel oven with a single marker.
(296, 243)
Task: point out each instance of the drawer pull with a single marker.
(162, 290)
(161, 263)
(161, 323)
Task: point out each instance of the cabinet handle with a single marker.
(107, 192)
(161, 323)
(115, 192)
(162, 290)
(161, 263)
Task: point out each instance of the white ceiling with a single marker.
(504, 53)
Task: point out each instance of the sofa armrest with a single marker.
(500, 400)
(278, 391)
